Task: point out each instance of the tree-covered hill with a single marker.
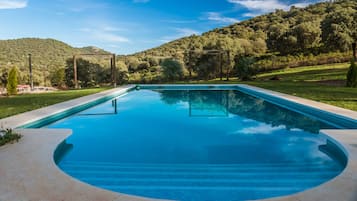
(317, 29)
(321, 33)
(318, 34)
(48, 55)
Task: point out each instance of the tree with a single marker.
(307, 35)
(132, 63)
(143, 65)
(338, 29)
(192, 54)
(208, 66)
(352, 75)
(245, 68)
(275, 34)
(88, 74)
(57, 77)
(12, 82)
(172, 69)
(122, 73)
(3, 78)
(153, 61)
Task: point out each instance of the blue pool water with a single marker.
(196, 146)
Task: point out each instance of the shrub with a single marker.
(12, 82)
(352, 75)
(245, 67)
(8, 136)
(172, 69)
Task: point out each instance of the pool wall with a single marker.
(31, 173)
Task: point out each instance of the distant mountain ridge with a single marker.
(46, 53)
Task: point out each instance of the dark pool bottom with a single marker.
(198, 146)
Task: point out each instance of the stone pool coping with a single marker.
(34, 115)
(28, 170)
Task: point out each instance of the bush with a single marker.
(8, 136)
(245, 67)
(172, 69)
(12, 82)
(352, 75)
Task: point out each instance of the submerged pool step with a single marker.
(247, 181)
(202, 182)
(198, 168)
(290, 174)
(213, 175)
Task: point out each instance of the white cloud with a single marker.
(264, 6)
(300, 5)
(105, 34)
(141, 1)
(214, 16)
(250, 14)
(186, 32)
(12, 4)
(180, 21)
(110, 37)
(259, 129)
(180, 32)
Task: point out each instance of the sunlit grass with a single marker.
(21, 103)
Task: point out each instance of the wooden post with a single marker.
(354, 51)
(229, 64)
(190, 64)
(30, 68)
(221, 65)
(111, 70)
(75, 72)
(114, 72)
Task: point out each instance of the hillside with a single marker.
(47, 55)
(320, 29)
(322, 33)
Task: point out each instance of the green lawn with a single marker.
(321, 83)
(26, 102)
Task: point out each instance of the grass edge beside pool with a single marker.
(27, 102)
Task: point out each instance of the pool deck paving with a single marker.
(28, 170)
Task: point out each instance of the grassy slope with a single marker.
(321, 83)
(22, 103)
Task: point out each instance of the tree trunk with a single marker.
(354, 51)
(229, 65)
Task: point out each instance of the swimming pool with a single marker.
(197, 145)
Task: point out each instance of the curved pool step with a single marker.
(165, 180)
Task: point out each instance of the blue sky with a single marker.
(126, 26)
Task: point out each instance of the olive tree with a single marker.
(172, 69)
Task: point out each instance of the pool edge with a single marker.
(60, 110)
(340, 188)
